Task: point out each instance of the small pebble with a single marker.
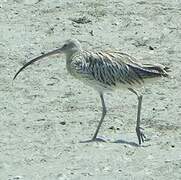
(92, 33)
(112, 127)
(151, 48)
(63, 123)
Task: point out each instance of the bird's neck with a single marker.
(69, 58)
(70, 54)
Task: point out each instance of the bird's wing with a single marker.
(104, 68)
(144, 70)
(110, 68)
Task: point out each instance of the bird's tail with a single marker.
(158, 69)
(151, 70)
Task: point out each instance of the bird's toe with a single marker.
(141, 136)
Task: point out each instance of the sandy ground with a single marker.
(45, 113)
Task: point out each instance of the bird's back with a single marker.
(112, 69)
(145, 70)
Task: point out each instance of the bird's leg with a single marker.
(139, 132)
(102, 117)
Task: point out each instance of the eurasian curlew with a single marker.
(106, 71)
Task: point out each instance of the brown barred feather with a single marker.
(113, 68)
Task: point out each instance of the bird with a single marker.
(106, 71)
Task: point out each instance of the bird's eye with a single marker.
(65, 45)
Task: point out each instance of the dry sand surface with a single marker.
(45, 113)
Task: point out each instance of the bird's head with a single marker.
(69, 47)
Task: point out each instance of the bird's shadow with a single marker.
(109, 141)
(133, 143)
(95, 140)
(120, 141)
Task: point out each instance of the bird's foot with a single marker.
(140, 135)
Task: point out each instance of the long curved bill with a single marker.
(57, 51)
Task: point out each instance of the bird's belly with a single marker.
(96, 84)
(101, 87)
(108, 86)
